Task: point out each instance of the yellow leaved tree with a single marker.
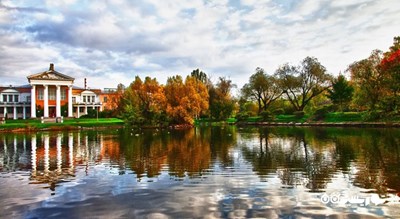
(185, 100)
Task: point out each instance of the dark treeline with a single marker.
(371, 86)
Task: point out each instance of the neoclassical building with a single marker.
(50, 94)
(50, 90)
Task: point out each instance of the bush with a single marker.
(299, 114)
(289, 110)
(266, 115)
(242, 116)
(371, 115)
(279, 111)
(321, 113)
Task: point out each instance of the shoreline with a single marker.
(30, 129)
(325, 124)
(56, 128)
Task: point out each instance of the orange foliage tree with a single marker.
(145, 102)
(185, 100)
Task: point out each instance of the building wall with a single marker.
(51, 102)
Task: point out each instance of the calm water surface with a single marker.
(210, 172)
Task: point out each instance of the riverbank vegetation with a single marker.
(67, 124)
(368, 91)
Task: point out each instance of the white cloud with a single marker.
(113, 41)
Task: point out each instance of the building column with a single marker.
(77, 112)
(70, 101)
(24, 112)
(46, 101)
(58, 101)
(33, 101)
(15, 116)
(85, 109)
(5, 112)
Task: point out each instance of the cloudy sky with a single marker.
(110, 42)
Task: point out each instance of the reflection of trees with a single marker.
(221, 140)
(144, 152)
(316, 154)
(187, 152)
(378, 163)
(289, 153)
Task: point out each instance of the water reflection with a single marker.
(229, 170)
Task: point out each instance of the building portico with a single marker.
(50, 90)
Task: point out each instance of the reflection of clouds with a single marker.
(96, 187)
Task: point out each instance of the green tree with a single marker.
(302, 83)
(201, 76)
(221, 104)
(369, 80)
(341, 92)
(262, 88)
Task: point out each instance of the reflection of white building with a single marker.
(49, 94)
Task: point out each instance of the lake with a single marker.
(204, 172)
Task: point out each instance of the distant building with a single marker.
(51, 94)
(110, 98)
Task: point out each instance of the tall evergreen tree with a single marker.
(341, 92)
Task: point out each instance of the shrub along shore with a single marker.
(34, 125)
(338, 119)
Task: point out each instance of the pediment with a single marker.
(50, 75)
(9, 91)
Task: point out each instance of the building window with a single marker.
(28, 98)
(93, 98)
(105, 100)
(16, 98)
(73, 99)
(40, 94)
(52, 93)
(84, 99)
(4, 98)
(20, 110)
(10, 98)
(63, 94)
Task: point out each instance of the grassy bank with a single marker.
(329, 119)
(35, 124)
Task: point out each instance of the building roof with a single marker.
(51, 74)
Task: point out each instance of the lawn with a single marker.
(343, 117)
(36, 123)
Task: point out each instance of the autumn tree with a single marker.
(145, 102)
(262, 88)
(341, 92)
(369, 80)
(221, 104)
(304, 82)
(390, 66)
(185, 101)
(116, 100)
